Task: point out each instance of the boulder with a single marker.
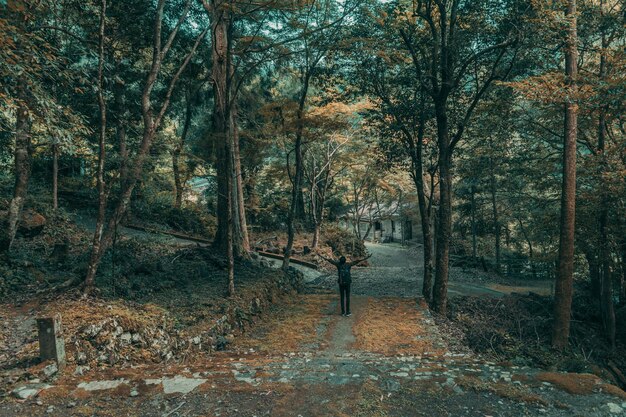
(29, 391)
(31, 223)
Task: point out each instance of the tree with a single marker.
(565, 265)
(152, 116)
(401, 116)
(324, 160)
(29, 64)
(453, 57)
(320, 31)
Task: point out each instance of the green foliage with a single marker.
(156, 208)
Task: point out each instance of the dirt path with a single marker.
(341, 366)
(305, 359)
(396, 271)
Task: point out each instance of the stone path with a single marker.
(304, 359)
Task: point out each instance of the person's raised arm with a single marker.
(358, 261)
(332, 261)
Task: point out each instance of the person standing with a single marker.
(344, 280)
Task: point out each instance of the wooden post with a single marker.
(51, 342)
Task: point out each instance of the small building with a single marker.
(382, 226)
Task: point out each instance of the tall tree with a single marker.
(102, 195)
(446, 50)
(319, 30)
(565, 264)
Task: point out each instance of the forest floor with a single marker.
(390, 358)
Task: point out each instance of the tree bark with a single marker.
(496, 219)
(55, 176)
(622, 286)
(121, 129)
(316, 235)
(238, 187)
(225, 131)
(297, 177)
(178, 181)
(416, 151)
(96, 255)
(473, 220)
(606, 282)
(231, 191)
(565, 270)
(444, 229)
(23, 153)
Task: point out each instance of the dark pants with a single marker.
(344, 292)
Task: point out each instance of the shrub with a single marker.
(344, 242)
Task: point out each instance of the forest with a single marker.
(179, 179)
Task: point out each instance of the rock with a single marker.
(196, 340)
(101, 385)
(92, 330)
(177, 385)
(29, 391)
(51, 341)
(614, 408)
(81, 358)
(50, 370)
(118, 331)
(134, 392)
(31, 223)
(80, 370)
(126, 337)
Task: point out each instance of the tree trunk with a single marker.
(444, 229)
(96, 250)
(178, 181)
(220, 69)
(231, 191)
(296, 192)
(473, 219)
(23, 152)
(531, 251)
(427, 284)
(225, 131)
(606, 281)
(424, 205)
(622, 286)
(238, 188)
(564, 280)
(316, 235)
(121, 129)
(55, 176)
(496, 219)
